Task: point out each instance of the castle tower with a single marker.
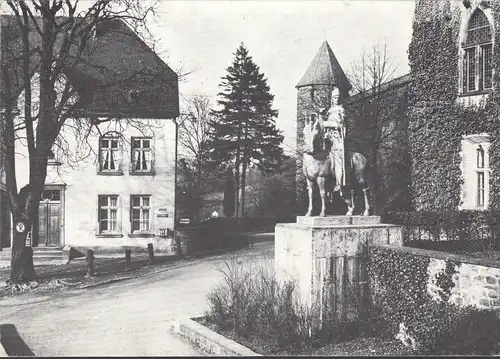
(313, 93)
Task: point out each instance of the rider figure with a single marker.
(335, 131)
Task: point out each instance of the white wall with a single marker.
(84, 184)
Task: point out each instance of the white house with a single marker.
(113, 186)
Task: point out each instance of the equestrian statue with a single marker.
(325, 160)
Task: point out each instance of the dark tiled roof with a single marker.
(389, 85)
(119, 75)
(325, 70)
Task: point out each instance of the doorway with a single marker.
(49, 222)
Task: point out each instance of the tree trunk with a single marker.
(243, 185)
(375, 180)
(237, 184)
(25, 212)
(22, 268)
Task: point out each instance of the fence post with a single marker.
(128, 259)
(90, 263)
(151, 253)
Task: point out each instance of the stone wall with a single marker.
(473, 282)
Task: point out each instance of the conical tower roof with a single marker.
(325, 70)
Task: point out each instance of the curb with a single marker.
(209, 341)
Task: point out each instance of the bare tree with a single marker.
(199, 174)
(377, 112)
(56, 39)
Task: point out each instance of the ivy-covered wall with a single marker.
(435, 302)
(437, 121)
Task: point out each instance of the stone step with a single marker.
(43, 255)
(45, 249)
(337, 220)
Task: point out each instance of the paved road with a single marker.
(127, 318)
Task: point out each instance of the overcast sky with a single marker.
(282, 37)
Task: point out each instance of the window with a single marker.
(480, 175)
(109, 154)
(108, 214)
(51, 195)
(475, 171)
(142, 156)
(140, 213)
(477, 70)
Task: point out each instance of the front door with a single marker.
(49, 218)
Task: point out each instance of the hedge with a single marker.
(398, 287)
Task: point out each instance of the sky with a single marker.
(282, 37)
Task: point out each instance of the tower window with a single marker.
(477, 67)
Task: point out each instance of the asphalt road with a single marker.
(126, 318)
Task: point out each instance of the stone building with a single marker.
(115, 185)
(453, 116)
(446, 111)
(314, 94)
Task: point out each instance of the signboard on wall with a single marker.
(184, 221)
(162, 213)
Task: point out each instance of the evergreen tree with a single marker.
(229, 193)
(244, 130)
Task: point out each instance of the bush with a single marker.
(398, 285)
(459, 230)
(252, 303)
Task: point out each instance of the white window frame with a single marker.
(479, 61)
(141, 209)
(141, 151)
(472, 171)
(109, 208)
(108, 152)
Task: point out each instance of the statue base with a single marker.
(326, 257)
(337, 220)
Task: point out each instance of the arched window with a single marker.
(477, 55)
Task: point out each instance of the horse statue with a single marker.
(318, 166)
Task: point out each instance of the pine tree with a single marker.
(229, 193)
(244, 131)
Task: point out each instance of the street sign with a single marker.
(20, 227)
(184, 221)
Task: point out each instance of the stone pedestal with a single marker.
(326, 256)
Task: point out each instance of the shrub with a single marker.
(398, 285)
(252, 302)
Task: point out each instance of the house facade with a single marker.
(112, 171)
(121, 194)
(454, 112)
